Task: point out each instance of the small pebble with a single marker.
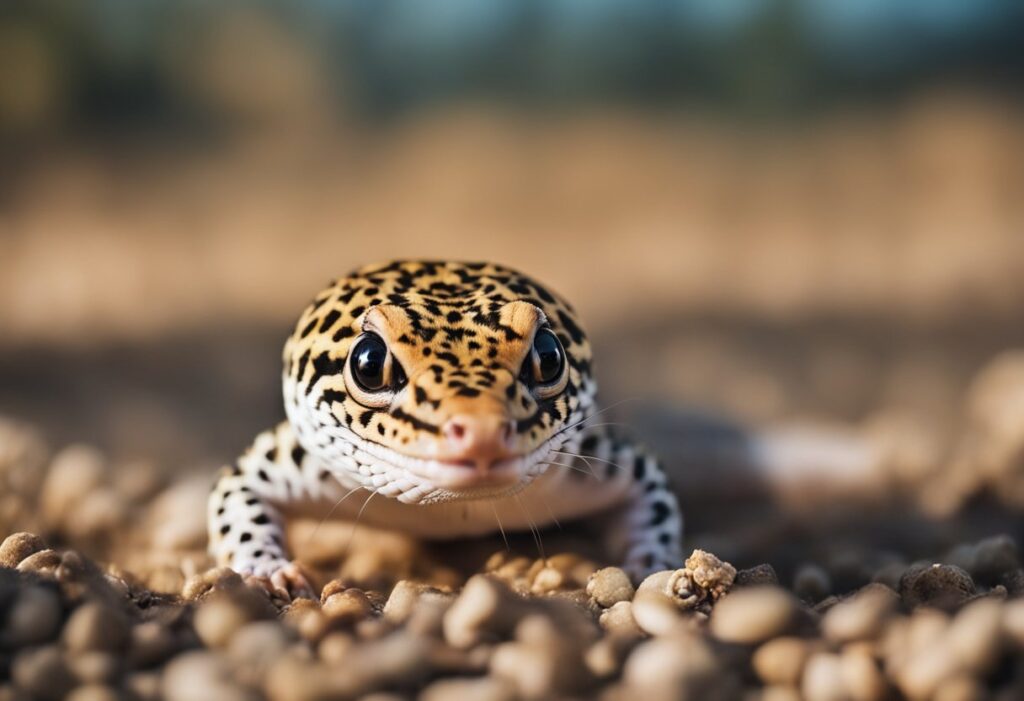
(609, 586)
(96, 626)
(811, 583)
(619, 620)
(17, 546)
(762, 575)
(940, 586)
(42, 672)
(753, 615)
(862, 616)
(781, 660)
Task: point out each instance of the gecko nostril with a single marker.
(455, 430)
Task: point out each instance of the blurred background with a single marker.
(780, 212)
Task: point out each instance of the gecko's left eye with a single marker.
(373, 367)
(545, 364)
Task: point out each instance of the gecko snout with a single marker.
(477, 440)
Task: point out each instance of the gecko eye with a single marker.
(370, 365)
(546, 361)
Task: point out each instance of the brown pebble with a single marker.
(95, 667)
(151, 644)
(17, 546)
(41, 562)
(347, 605)
(34, 617)
(811, 583)
(762, 575)
(42, 672)
(940, 586)
(753, 615)
(823, 678)
(96, 626)
(609, 586)
(255, 647)
(144, 686)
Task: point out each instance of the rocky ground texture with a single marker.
(106, 593)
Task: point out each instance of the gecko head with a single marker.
(433, 381)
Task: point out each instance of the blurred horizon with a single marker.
(772, 208)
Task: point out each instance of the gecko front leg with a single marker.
(246, 523)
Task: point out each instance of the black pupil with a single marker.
(368, 362)
(549, 356)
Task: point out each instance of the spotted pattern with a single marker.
(461, 333)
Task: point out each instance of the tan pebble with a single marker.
(256, 646)
(609, 586)
(781, 661)
(537, 672)
(95, 667)
(348, 605)
(926, 626)
(34, 618)
(201, 676)
(101, 511)
(406, 596)
(960, 688)
(144, 686)
(96, 626)
(655, 614)
(862, 616)
(513, 569)
(709, 573)
(925, 671)
(975, 635)
(220, 578)
(605, 657)
(41, 562)
(335, 647)
(74, 473)
(94, 692)
(1013, 621)
(484, 607)
(547, 580)
(152, 643)
(17, 546)
(823, 678)
(42, 672)
(496, 560)
(678, 665)
(618, 620)
(779, 693)
(657, 582)
(811, 583)
(481, 689)
(753, 615)
(217, 620)
(862, 677)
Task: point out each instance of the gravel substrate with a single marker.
(554, 628)
(116, 598)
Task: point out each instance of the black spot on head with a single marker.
(343, 332)
(257, 553)
(308, 328)
(661, 513)
(261, 520)
(262, 474)
(245, 537)
(252, 502)
(272, 454)
(298, 452)
(575, 331)
(225, 529)
(329, 319)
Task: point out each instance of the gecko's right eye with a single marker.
(368, 359)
